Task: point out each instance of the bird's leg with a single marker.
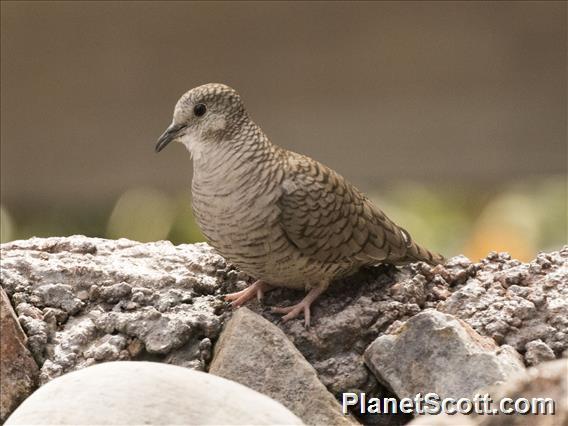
(304, 306)
(258, 288)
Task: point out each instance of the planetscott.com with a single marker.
(431, 403)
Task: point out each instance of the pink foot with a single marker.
(304, 306)
(240, 297)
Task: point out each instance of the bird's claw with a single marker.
(239, 298)
(304, 306)
(293, 311)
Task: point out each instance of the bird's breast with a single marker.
(238, 214)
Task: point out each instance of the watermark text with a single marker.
(431, 403)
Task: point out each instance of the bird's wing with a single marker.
(328, 219)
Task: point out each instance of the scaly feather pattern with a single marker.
(280, 216)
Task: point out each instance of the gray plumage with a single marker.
(280, 216)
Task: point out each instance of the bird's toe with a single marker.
(281, 309)
(293, 312)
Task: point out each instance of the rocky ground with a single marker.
(81, 301)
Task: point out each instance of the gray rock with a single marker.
(443, 420)
(164, 300)
(135, 393)
(190, 356)
(57, 296)
(18, 370)
(435, 352)
(537, 351)
(547, 380)
(84, 300)
(347, 319)
(516, 303)
(257, 354)
(512, 302)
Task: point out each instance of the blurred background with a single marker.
(450, 115)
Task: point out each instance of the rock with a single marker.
(193, 355)
(348, 317)
(134, 393)
(58, 296)
(512, 302)
(547, 380)
(18, 370)
(165, 303)
(443, 420)
(516, 303)
(84, 300)
(538, 352)
(254, 352)
(435, 352)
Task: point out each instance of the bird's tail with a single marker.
(416, 253)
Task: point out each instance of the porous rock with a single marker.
(512, 302)
(135, 393)
(256, 353)
(516, 303)
(346, 319)
(165, 301)
(85, 300)
(435, 352)
(18, 370)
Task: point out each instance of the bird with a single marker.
(281, 217)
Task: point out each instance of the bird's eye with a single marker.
(199, 110)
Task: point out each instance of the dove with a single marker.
(282, 217)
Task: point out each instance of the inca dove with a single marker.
(281, 217)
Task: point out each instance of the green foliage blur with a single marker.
(521, 218)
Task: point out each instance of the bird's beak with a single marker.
(169, 135)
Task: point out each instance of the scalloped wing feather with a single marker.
(328, 219)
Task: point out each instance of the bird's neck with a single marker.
(238, 153)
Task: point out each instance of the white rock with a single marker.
(134, 393)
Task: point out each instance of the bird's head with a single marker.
(203, 115)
